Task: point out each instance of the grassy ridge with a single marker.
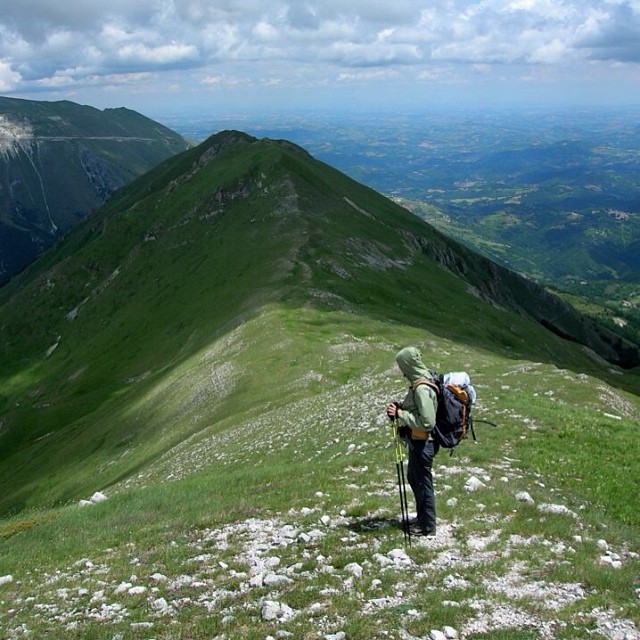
(107, 360)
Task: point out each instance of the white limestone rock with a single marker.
(354, 569)
(524, 496)
(473, 484)
(559, 509)
(278, 611)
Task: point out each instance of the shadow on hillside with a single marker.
(374, 524)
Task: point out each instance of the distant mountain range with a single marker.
(99, 330)
(61, 160)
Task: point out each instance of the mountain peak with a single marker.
(230, 138)
(227, 138)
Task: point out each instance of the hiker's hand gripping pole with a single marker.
(402, 487)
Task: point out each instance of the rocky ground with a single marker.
(261, 566)
(501, 563)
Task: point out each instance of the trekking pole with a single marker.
(493, 424)
(473, 431)
(405, 519)
(402, 487)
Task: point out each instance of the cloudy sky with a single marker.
(172, 55)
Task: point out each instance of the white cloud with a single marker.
(550, 52)
(47, 41)
(9, 78)
(372, 54)
(78, 77)
(222, 80)
(168, 54)
(266, 32)
(367, 75)
(444, 75)
(612, 34)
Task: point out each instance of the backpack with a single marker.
(456, 396)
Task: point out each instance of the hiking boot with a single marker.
(417, 530)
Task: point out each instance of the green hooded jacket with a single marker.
(421, 403)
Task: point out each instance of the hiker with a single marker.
(416, 417)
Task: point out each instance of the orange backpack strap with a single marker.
(430, 383)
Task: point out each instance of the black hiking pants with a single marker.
(421, 454)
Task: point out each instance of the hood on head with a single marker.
(410, 362)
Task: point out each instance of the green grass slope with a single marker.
(183, 256)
